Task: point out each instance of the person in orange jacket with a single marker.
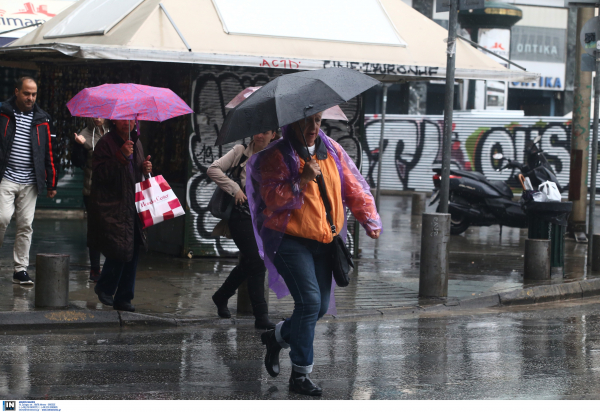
(294, 236)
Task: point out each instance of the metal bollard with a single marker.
(433, 279)
(244, 305)
(419, 201)
(52, 280)
(537, 259)
(596, 253)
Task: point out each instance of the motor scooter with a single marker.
(476, 201)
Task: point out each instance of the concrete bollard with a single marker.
(244, 305)
(596, 253)
(419, 203)
(435, 234)
(51, 280)
(537, 259)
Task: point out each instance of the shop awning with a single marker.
(404, 43)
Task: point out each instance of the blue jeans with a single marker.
(119, 277)
(305, 266)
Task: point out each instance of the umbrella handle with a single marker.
(302, 132)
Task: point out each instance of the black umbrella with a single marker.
(292, 97)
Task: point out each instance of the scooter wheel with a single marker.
(459, 223)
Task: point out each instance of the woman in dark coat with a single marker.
(114, 227)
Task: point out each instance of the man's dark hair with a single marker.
(20, 80)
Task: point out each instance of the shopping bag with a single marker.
(551, 191)
(155, 201)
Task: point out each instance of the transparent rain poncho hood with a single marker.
(270, 220)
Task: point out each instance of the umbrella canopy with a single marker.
(290, 98)
(333, 113)
(128, 102)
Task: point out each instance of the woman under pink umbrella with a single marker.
(114, 227)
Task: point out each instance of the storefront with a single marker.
(208, 74)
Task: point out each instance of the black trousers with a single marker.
(94, 254)
(251, 266)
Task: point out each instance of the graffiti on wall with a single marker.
(413, 146)
(212, 89)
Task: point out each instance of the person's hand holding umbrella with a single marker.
(310, 172)
(127, 148)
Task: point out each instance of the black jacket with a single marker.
(113, 222)
(43, 145)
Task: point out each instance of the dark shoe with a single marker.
(22, 278)
(301, 384)
(124, 306)
(222, 309)
(94, 276)
(273, 348)
(262, 322)
(104, 297)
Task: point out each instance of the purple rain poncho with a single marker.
(270, 222)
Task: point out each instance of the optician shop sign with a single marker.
(540, 50)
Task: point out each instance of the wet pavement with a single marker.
(549, 351)
(481, 262)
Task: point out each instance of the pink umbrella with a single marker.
(333, 113)
(128, 102)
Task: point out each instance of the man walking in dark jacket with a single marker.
(28, 162)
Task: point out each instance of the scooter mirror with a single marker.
(537, 139)
(498, 156)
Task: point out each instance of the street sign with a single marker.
(444, 5)
(588, 63)
(589, 35)
(581, 3)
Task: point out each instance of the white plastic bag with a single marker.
(539, 197)
(550, 190)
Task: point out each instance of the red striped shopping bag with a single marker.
(155, 201)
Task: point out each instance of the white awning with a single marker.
(163, 34)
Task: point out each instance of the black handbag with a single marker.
(340, 255)
(221, 203)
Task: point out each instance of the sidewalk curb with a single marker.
(79, 318)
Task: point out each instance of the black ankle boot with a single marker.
(261, 317)
(273, 348)
(301, 384)
(222, 309)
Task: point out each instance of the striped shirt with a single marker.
(20, 169)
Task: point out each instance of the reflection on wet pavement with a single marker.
(552, 352)
(481, 262)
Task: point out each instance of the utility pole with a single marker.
(381, 135)
(594, 160)
(448, 107)
(580, 140)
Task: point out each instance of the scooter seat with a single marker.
(501, 187)
(473, 175)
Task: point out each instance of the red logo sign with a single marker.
(30, 9)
